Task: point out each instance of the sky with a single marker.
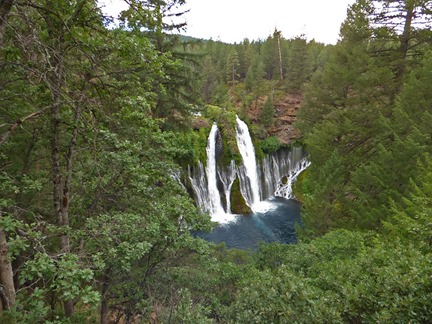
(232, 21)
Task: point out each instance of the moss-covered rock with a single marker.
(238, 204)
(299, 188)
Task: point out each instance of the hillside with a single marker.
(285, 115)
(286, 109)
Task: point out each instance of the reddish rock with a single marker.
(286, 110)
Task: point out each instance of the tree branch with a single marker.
(10, 130)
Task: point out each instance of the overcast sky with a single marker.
(233, 20)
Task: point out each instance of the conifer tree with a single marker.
(346, 107)
(254, 81)
(232, 67)
(267, 112)
(298, 64)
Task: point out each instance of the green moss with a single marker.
(299, 187)
(238, 204)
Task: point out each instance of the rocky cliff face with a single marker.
(285, 115)
(286, 109)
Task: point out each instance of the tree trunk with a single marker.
(280, 57)
(60, 188)
(104, 302)
(5, 7)
(62, 156)
(61, 193)
(6, 274)
(404, 42)
(404, 46)
(68, 306)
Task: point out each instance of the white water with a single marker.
(227, 178)
(258, 182)
(285, 189)
(214, 195)
(250, 185)
(280, 170)
(200, 188)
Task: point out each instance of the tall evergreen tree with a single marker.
(232, 67)
(254, 81)
(345, 109)
(298, 64)
(267, 112)
(153, 19)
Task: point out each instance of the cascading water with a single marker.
(285, 189)
(272, 177)
(227, 178)
(280, 170)
(198, 181)
(248, 173)
(214, 195)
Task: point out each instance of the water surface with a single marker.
(274, 223)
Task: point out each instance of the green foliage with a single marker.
(226, 121)
(232, 66)
(270, 145)
(254, 81)
(341, 277)
(238, 203)
(189, 146)
(298, 64)
(267, 113)
(89, 141)
(301, 187)
(85, 164)
(411, 218)
(213, 112)
(187, 312)
(357, 120)
(63, 278)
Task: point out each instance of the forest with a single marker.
(97, 115)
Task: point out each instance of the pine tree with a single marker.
(232, 67)
(347, 114)
(254, 81)
(298, 64)
(267, 112)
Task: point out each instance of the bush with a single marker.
(270, 145)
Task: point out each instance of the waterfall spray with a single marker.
(248, 173)
(227, 178)
(274, 176)
(214, 195)
(285, 189)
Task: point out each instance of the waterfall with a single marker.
(274, 176)
(198, 181)
(227, 178)
(284, 189)
(214, 195)
(248, 172)
(280, 170)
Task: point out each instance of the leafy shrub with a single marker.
(270, 144)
